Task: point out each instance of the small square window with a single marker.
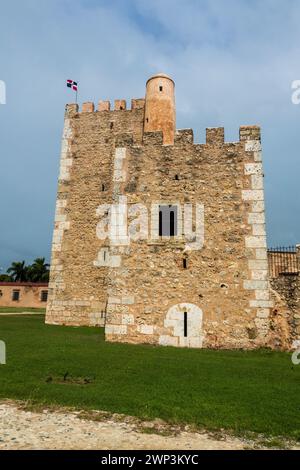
(16, 295)
(44, 296)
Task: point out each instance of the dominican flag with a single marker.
(72, 84)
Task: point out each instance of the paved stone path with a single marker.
(21, 429)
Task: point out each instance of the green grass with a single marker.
(21, 309)
(256, 391)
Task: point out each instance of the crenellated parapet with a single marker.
(184, 136)
(215, 136)
(250, 133)
(71, 110)
(119, 105)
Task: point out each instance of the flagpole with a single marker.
(74, 86)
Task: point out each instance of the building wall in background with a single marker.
(28, 294)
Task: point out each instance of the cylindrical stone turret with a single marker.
(160, 113)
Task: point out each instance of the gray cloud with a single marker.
(233, 63)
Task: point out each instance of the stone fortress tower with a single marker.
(160, 114)
(189, 267)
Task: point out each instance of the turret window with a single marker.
(160, 88)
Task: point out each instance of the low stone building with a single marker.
(284, 268)
(23, 294)
(157, 238)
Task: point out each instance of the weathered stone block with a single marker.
(104, 106)
(256, 242)
(215, 135)
(127, 319)
(252, 195)
(168, 341)
(116, 329)
(120, 105)
(146, 329)
(88, 107)
(253, 169)
(256, 285)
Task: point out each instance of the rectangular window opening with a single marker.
(185, 324)
(172, 224)
(168, 221)
(160, 223)
(44, 296)
(16, 295)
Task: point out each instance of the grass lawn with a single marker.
(255, 391)
(21, 309)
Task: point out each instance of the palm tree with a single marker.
(18, 271)
(5, 278)
(39, 271)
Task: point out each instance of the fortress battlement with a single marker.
(214, 135)
(105, 106)
(207, 289)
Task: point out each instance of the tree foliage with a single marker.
(38, 271)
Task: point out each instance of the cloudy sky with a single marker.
(233, 62)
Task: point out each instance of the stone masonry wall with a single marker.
(77, 288)
(225, 286)
(141, 290)
(285, 291)
(286, 312)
